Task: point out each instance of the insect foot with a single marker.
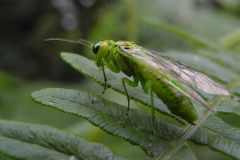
(235, 98)
(100, 95)
(93, 99)
(123, 124)
(149, 153)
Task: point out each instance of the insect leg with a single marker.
(112, 68)
(132, 84)
(149, 86)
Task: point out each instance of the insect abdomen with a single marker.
(177, 103)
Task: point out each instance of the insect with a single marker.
(172, 81)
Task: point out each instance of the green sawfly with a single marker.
(172, 81)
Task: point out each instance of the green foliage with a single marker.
(198, 40)
(179, 25)
(169, 140)
(27, 141)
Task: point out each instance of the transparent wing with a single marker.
(164, 66)
(177, 70)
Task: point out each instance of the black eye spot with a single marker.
(95, 48)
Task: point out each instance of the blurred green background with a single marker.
(27, 63)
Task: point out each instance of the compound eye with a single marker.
(95, 48)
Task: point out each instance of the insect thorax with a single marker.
(119, 60)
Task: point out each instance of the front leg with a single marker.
(112, 68)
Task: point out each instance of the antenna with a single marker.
(80, 41)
